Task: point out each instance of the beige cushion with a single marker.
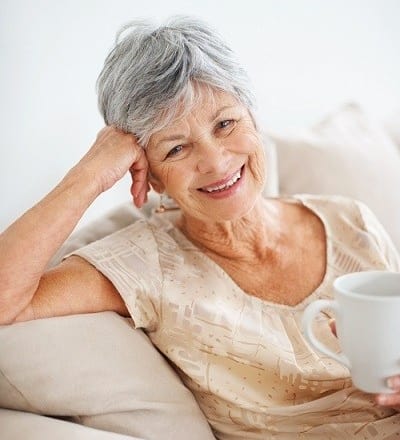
(97, 369)
(347, 154)
(18, 425)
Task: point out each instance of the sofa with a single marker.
(94, 376)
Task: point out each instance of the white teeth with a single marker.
(230, 182)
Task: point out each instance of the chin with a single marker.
(235, 211)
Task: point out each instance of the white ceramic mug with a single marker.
(367, 313)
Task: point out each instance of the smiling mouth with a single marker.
(219, 188)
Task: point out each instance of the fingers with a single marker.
(139, 196)
(138, 169)
(111, 156)
(390, 400)
(140, 185)
(112, 144)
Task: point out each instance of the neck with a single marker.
(252, 236)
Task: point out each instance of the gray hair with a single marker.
(149, 78)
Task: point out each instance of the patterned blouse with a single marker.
(245, 359)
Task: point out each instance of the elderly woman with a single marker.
(220, 284)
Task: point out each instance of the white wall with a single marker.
(304, 56)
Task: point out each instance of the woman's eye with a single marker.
(176, 150)
(226, 123)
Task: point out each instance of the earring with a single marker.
(166, 204)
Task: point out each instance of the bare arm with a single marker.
(28, 244)
(73, 287)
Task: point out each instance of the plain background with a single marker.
(305, 58)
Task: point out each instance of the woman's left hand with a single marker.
(391, 400)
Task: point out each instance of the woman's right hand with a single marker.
(112, 155)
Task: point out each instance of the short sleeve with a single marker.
(381, 237)
(129, 259)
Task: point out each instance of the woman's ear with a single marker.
(156, 184)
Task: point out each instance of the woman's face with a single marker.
(210, 162)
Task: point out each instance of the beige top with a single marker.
(245, 359)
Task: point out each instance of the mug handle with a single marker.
(309, 315)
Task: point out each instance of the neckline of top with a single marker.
(167, 221)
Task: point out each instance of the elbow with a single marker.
(12, 307)
(7, 318)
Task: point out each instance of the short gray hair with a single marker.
(153, 70)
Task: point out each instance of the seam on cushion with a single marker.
(32, 408)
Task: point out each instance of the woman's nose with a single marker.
(212, 158)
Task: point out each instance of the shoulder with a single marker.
(136, 236)
(129, 252)
(129, 259)
(329, 203)
(333, 210)
(352, 224)
(146, 245)
(341, 210)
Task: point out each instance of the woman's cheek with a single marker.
(257, 166)
(257, 157)
(173, 179)
(158, 173)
